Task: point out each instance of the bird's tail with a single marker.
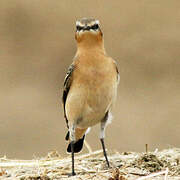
(78, 145)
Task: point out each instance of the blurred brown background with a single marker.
(36, 47)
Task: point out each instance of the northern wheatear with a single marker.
(90, 86)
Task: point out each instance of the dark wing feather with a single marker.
(118, 74)
(67, 85)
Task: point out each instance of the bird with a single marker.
(90, 87)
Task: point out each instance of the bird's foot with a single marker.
(71, 174)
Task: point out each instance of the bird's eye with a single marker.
(79, 28)
(95, 27)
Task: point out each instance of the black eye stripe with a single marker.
(95, 26)
(79, 28)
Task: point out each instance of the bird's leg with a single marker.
(72, 138)
(72, 155)
(104, 151)
(102, 135)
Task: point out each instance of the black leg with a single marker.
(104, 151)
(72, 155)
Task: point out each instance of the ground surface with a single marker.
(125, 166)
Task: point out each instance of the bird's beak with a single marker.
(86, 28)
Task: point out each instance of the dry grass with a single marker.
(125, 166)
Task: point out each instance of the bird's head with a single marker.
(88, 31)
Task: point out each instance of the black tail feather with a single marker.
(78, 145)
